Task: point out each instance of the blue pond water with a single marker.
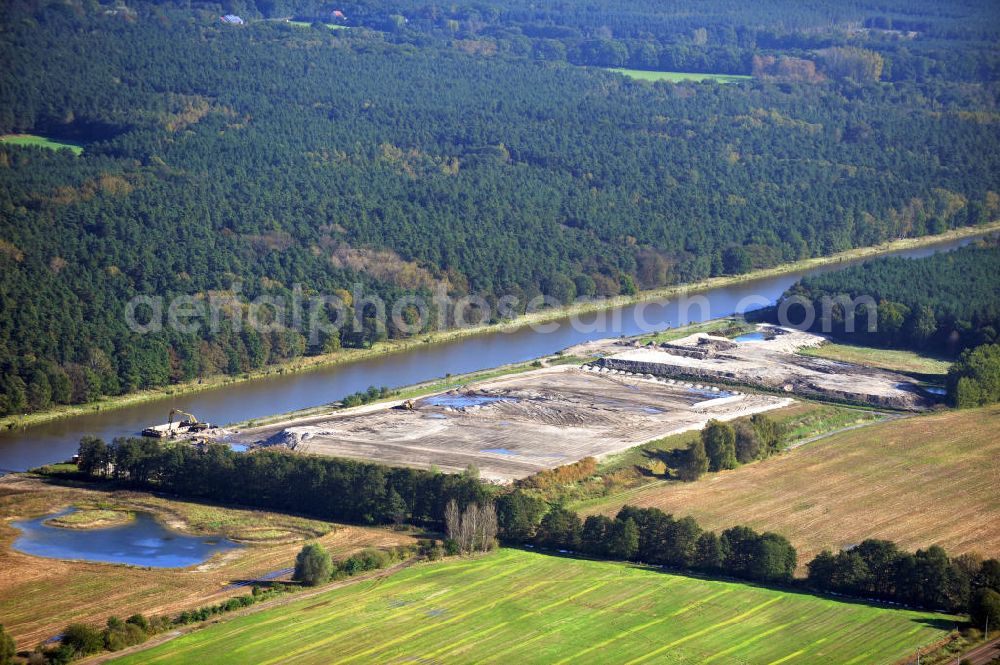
(933, 390)
(238, 447)
(498, 451)
(709, 393)
(750, 337)
(459, 401)
(141, 542)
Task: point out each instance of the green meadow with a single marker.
(40, 142)
(306, 24)
(520, 607)
(677, 77)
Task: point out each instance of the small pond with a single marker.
(141, 542)
(709, 393)
(462, 401)
(934, 390)
(751, 337)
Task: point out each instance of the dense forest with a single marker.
(435, 149)
(942, 303)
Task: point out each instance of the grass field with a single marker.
(40, 142)
(891, 359)
(918, 481)
(677, 77)
(306, 24)
(521, 607)
(39, 597)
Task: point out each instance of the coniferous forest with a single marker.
(942, 303)
(479, 149)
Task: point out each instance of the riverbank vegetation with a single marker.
(219, 193)
(942, 303)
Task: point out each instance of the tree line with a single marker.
(874, 569)
(331, 488)
(927, 578)
(475, 516)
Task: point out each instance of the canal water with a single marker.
(58, 440)
(140, 542)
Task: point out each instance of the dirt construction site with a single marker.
(514, 426)
(767, 359)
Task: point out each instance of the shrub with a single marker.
(7, 648)
(81, 639)
(312, 565)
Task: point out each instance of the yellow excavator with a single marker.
(192, 423)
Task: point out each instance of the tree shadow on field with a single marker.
(938, 623)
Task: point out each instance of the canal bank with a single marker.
(289, 388)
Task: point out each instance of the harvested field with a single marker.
(39, 597)
(514, 426)
(521, 607)
(773, 364)
(917, 481)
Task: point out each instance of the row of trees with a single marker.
(650, 536)
(875, 569)
(336, 489)
(79, 640)
(314, 566)
(927, 578)
(722, 446)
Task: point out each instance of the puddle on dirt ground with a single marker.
(436, 416)
(141, 542)
(934, 390)
(239, 447)
(462, 401)
(498, 451)
(651, 410)
(711, 394)
(751, 337)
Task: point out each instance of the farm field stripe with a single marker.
(380, 647)
(747, 642)
(545, 633)
(789, 656)
(643, 626)
(708, 629)
(373, 586)
(876, 647)
(503, 624)
(355, 629)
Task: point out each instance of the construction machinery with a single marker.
(189, 425)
